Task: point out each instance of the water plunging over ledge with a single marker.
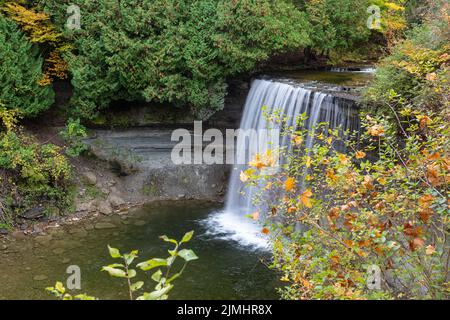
(289, 100)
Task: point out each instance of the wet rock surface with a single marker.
(145, 172)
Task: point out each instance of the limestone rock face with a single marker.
(89, 206)
(90, 177)
(115, 201)
(155, 176)
(105, 208)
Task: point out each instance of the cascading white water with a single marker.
(289, 101)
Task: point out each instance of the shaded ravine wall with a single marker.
(135, 154)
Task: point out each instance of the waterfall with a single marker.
(288, 100)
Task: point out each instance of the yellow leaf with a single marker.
(343, 158)
(257, 162)
(308, 161)
(243, 176)
(393, 6)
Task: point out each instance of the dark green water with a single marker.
(352, 79)
(224, 271)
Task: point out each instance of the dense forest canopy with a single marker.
(182, 52)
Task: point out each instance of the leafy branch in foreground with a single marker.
(164, 280)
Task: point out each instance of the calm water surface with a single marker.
(225, 270)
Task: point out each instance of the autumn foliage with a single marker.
(383, 203)
(40, 30)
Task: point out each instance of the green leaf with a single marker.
(129, 257)
(187, 255)
(113, 272)
(155, 294)
(131, 273)
(114, 253)
(137, 285)
(167, 239)
(173, 277)
(84, 296)
(157, 276)
(59, 286)
(116, 265)
(152, 263)
(170, 260)
(187, 237)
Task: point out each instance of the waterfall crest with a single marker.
(289, 101)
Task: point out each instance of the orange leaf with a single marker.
(424, 121)
(335, 258)
(289, 184)
(360, 155)
(434, 156)
(306, 198)
(297, 140)
(265, 231)
(368, 183)
(334, 213)
(416, 243)
(292, 209)
(433, 175)
(306, 283)
(426, 201)
(349, 243)
(430, 250)
(331, 175)
(425, 215)
(376, 130)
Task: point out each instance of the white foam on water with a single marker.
(226, 225)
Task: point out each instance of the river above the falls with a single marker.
(225, 270)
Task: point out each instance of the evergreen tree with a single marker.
(22, 83)
(177, 52)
